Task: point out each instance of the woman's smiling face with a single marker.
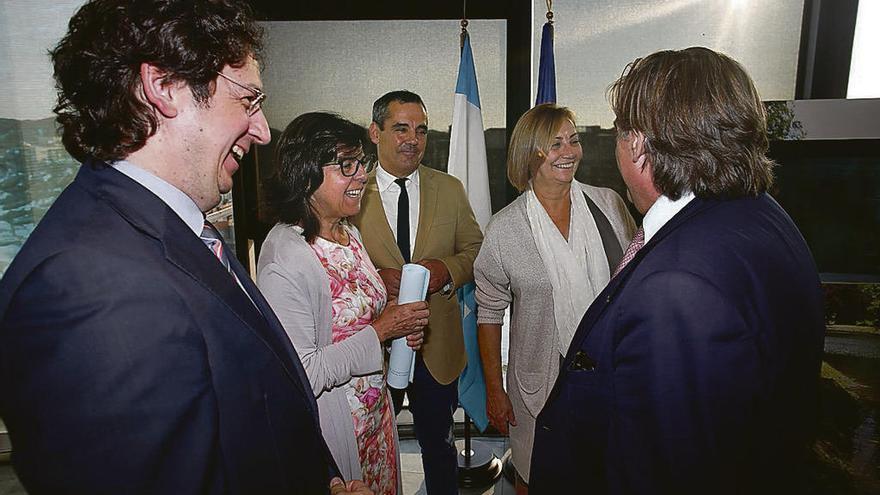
(562, 156)
(339, 196)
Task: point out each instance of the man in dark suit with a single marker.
(696, 370)
(136, 356)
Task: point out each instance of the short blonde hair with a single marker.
(534, 132)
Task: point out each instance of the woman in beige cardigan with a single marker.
(547, 255)
(319, 280)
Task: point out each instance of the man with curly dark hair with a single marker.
(136, 356)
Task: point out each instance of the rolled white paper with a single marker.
(413, 287)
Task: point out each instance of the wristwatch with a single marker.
(446, 290)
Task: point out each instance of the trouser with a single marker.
(432, 405)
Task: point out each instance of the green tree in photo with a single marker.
(781, 121)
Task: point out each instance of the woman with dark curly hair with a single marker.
(317, 276)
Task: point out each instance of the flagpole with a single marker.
(477, 464)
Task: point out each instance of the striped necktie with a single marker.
(212, 238)
(214, 241)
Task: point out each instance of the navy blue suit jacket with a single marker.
(696, 369)
(131, 362)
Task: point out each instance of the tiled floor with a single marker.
(413, 478)
(9, 484)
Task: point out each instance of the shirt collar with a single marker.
(176, 199)
(384, 179)
(661, 212)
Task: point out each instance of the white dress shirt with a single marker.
(661, 212)
(389, 191)
(179, 202)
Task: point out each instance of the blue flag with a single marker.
(467, 162)
(471, 384)
(546, 68)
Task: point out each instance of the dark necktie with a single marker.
(214, 241)
(403, 220)
(638, 241)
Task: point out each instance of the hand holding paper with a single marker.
(438, 276)
(413, 287)
(401, 320)
(391, 279)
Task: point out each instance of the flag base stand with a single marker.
(477, 464)
(509, 469)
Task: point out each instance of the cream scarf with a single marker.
(578, 269)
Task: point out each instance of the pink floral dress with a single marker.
(358, 296)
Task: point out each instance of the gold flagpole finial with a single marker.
(550, 11)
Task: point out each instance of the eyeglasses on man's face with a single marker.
(255, 102)
(349, 166)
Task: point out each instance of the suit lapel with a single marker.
(604, 299)
(428, 197)
(275, 337)
(188, 253)
(373, 217)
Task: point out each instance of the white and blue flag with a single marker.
(467, 162)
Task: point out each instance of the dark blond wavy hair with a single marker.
(704, 122)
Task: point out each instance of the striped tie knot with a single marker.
(212, 238)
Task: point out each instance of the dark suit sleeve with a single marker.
(107, 383)
(685, 373)
(468, 238)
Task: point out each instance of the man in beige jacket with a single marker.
(411, 213)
